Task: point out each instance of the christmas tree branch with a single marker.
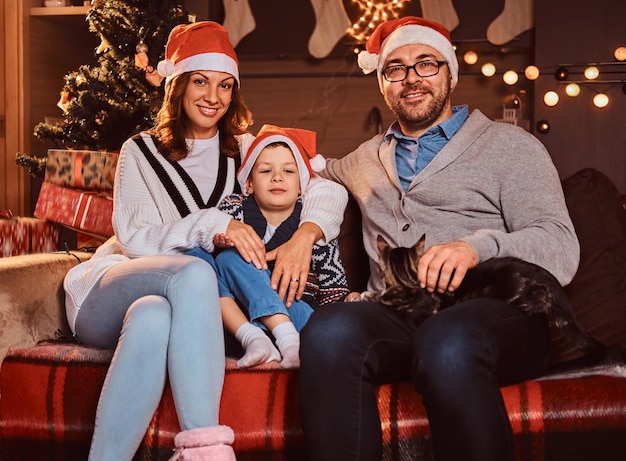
(35, 166)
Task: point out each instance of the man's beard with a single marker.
(417, 117)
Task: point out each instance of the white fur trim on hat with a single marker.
(318, 163)
(368, 62)
(217, 62)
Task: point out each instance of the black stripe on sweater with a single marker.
(167, 182)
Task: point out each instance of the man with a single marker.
(477, 189)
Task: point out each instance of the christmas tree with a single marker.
(106, 104)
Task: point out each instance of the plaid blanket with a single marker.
(50, 393)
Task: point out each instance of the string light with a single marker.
(591, 73)
(572, 76)
(551, 98)
(531, 72)
(600, 100)
(510, 77)
(488, 69)
(572, 90)
(543, 126)
(372, 14)
(470, 57)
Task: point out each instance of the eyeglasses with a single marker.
(398, 72)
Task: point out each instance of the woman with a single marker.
(140, 294)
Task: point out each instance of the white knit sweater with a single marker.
(147, 221)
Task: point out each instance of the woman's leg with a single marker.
(149, 304)
(347, 349)
(463, 355)
(252, 288)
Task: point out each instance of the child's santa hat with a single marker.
(302, 145)
(202, 45)
(410, 30)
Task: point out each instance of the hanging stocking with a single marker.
(441, 11)
(238, 20)
(517, 17)
(331, 23)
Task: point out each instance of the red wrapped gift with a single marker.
(86, 211)
(20, 236)
(81, 169)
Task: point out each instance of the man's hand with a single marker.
(443, 267)
(293, 262)
(248, 243)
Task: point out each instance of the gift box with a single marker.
(81, 169)
(87, 211)
(20, 236)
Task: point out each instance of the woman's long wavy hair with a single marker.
(172, 124)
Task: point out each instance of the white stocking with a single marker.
(517, 17)
(238, 20)
(441, 11)
(331, 23)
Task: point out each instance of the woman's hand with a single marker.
(293, 262)
(248, 243)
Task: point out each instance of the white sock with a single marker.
(259, 347)
(288, 342)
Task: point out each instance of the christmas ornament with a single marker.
(143, 62)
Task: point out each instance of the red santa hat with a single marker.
(302, 145)
(202, 45)
(410, 30)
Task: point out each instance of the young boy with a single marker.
(277, 167)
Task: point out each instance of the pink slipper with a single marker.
(205, 444)
(210, 453)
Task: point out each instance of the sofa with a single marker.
(49, 385)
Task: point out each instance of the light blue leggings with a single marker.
(162, 316)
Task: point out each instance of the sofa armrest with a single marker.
(32, 300)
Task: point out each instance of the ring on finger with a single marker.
(295, 280)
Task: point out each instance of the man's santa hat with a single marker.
(302, 145)
(410, 30)
(202, 45)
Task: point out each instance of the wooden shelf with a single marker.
(59, 10)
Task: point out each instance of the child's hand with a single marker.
(222, 241)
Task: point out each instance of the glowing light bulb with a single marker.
(510, 77)
(551, 98)
(488, 69)
(600, 100)
(531, 72)
(620, 53)
(592, 72)
(572, 90)
(470, 57)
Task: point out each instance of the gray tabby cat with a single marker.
(521, 284)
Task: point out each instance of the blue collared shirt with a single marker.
(412, 155)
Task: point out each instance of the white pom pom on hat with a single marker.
(302, 144)
(202, 45)
(410, 30)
